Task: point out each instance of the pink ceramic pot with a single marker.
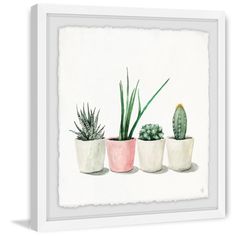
(121, 154)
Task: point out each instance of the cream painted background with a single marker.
(91, 63)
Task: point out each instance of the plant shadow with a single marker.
(163, 170)
(194, 167)
(101, 172)
(133, 171)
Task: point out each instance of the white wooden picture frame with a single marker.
(45, 213)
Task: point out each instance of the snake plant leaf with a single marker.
(127, 88)
(121, 134)
(144, 109)
(130, 110)
(127, 108)
(139, 103)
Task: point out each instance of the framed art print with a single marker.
(128, 116)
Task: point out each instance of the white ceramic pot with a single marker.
(90, 155)
(151, 154)
(180, 153)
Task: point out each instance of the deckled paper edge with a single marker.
(128, 202)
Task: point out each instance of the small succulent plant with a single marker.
(151, 132)
(89, 128)
(179, 123)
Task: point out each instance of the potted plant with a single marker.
(180, 147)
(151, 147)
(121, 150)
(90, 142)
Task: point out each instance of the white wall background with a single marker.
(14, 125)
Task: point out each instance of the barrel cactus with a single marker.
(179, 123)
(150, 132)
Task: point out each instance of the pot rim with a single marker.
(173, 138)
(87, 141)
(114, 139)
(161, 139)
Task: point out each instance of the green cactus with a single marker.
(151, 132)
(179, 123)
(89, 128)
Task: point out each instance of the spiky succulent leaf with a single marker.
(151, 132)
(89, 129)
(96, 119)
